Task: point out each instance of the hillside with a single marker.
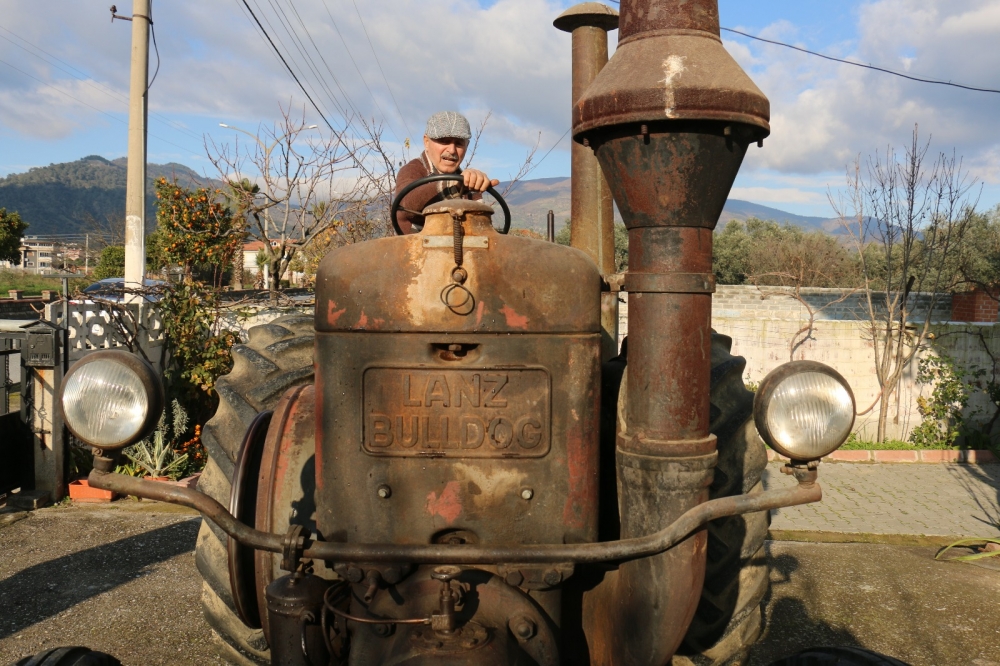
(531, 200)
(66, 198)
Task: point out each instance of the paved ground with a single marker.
(117, 578)
(897, 498)
(896, 600)
(122, 578)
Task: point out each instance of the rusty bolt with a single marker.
(514, 578)
(392, 575)
(527, 493)
(384, 491)
(553, 577)
(522, 627)
(354, 574)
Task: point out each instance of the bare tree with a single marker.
(292, 183)
(906, 221)
(793, 289)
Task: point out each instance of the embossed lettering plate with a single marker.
(476, 413)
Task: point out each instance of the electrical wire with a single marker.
(353, 61)
(80, 101)
(863, 65)
(152, 31)
(377, 62)
(82, 77)
(288, 67)
(303, 53)
(875, 68)
(533, 166)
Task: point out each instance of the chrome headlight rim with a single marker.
(151, 385)
(770, 384)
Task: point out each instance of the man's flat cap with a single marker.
(448, 125)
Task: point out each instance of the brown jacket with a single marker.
(424, 195)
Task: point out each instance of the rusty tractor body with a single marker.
(440, 491)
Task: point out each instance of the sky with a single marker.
(64, 81)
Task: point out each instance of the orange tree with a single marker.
(194, 227)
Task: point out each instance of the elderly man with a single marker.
(445, 142)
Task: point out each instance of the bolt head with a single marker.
(527, 493)
(553, 577)
(514, 578)
(354, 574)
(384, 491)
(522, 627)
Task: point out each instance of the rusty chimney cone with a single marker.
(592, 224)
(670, 118)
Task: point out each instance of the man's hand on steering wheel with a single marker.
(477, 180)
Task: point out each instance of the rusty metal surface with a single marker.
(482, 413)
(670, 65)
(543, 483)
(286, 483)
(591, 205)
(587, 14)
(486, 607)
(517, 285)
(586, 553)
(243, 506)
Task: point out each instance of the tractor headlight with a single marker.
(804, 410)
(111, 399)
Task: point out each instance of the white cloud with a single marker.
(776, 195)
(824, 114)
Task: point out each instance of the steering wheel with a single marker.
(433, 179)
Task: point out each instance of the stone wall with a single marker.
(762, 329)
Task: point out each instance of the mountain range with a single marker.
(85, 195)
(89, 194)
(531, 200)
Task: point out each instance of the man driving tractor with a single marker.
(446, 140)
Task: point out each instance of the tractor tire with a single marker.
(278, 356)
(729, 617)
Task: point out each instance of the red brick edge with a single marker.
(974, 456)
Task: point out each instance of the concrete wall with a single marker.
(762, 328)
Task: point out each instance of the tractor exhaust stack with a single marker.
(669, 119)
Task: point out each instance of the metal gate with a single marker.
(17, 467)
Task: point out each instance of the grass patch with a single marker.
(891, 445)
(33, 285)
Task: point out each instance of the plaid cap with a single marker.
(448, 125)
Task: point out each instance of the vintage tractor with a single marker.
(436, 468)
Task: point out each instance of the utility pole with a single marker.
(135, 188)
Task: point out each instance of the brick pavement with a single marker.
(912, 499)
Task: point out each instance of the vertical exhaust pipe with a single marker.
(592, 224)
(669, 119)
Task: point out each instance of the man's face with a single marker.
(446, 154)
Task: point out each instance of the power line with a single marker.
(378, 62)
(855, 64)
(80, 101)
(83, 77)
(547, 153)
(288, 67)
(353, 61)
(862, 65)
(303, 52)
